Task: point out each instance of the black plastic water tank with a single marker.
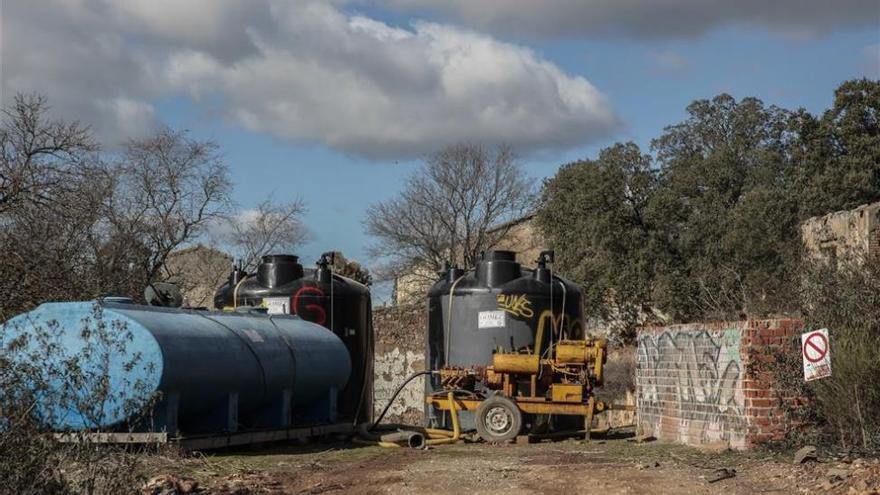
(283, 286)
(498, 305)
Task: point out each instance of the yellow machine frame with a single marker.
(565, 397)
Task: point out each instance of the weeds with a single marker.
(846, 300)
(843, 409)
(49, 383)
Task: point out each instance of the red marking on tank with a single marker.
(311, 309)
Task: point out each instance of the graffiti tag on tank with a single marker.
(306, 309)
(520, 305)
(516, 304)
(561, 323)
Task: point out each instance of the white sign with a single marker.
(277, 305)
(816, 350)
(491, 319)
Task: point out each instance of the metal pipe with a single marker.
(449, 318)
(408, 438)
(235, 290)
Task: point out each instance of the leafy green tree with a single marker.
(596, 213)
(708, 227)
(725, 204)
(839, 154)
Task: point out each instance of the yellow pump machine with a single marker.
(519, 383)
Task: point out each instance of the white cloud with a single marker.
(301, 71)
(647, 18)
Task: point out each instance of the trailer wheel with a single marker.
(498, 419)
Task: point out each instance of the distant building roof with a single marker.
(511, 223)
(200, 248)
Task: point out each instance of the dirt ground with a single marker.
(606, 466)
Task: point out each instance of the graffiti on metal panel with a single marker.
(517, 305)
(302, 305)
(561, 323)
(520, 305)
(695, 376)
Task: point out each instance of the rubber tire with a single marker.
(513, 412)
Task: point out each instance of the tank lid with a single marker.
(499, 256)
(278, 269)
(498, 267)
(280, 258)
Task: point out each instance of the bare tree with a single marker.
(52, 185)
(60, 251)
(38, 155)
(73, 226)
(451, 209)
(169, 188)
(267, 228)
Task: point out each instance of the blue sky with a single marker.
(646, 79)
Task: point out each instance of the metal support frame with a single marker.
(207, 442)
(538, 405)
(528, 405)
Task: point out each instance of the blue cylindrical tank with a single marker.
(212, 370)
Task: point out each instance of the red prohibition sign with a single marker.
(822, 349)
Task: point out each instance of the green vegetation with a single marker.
(707, 224)
(707, 227)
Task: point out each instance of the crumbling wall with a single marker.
(843, 234)
(702, 383)
(199, 271)
(400, 351)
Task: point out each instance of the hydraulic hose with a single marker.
(410, 436)
(396, 393)
(456, 429)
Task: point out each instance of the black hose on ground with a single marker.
(415, 437)
(395, 394)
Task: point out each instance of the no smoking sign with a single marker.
(816, 347)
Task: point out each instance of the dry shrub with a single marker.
(32, 461)
(41, 379)
(845, 298)
(620, 374)
(843, 409)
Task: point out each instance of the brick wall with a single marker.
(708, 383)
(400, 351)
